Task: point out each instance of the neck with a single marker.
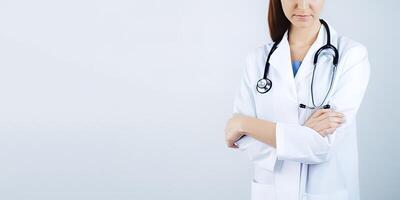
(303, 36)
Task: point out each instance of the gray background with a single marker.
(128, 99)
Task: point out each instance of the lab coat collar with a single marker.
(281, 58)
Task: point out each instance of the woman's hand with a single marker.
(325, 121)
(234, 129)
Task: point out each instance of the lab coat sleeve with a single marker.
(305, 145)
(261, 154)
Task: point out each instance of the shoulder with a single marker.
(351, 52)
(259, 52)
(256, 57)
(353, 57)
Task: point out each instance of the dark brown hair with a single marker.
(277, 21)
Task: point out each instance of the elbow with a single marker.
(259, 153)
(305, 146)
(309, 154)
(319, 151)
(319, 155)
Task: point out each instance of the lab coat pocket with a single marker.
(338, 195)
(261, 191)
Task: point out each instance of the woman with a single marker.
(298, 152)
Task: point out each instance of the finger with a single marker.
(329, 131)
(315, 117)
(339, 120)
(326, 132)
(329, 114)
(323, 113)
(334, 113)
(321, 127)
(323, 133)
(232, 145)
(326, 124)
(230, 140)
(319, 112)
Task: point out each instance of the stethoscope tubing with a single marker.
(265, 84)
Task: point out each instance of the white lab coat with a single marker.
(304, 165)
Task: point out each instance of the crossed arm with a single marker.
(309, 143)
(323, 121)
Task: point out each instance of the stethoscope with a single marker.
(265, 84)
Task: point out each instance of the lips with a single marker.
(302, 18)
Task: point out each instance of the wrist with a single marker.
(243, 124)
(246, 125)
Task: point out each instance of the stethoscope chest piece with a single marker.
(264, 85)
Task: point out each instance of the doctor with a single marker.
(296, 120)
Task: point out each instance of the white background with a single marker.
(128, 99)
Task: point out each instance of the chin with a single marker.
(302, 24)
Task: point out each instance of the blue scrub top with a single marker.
(295, 66)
